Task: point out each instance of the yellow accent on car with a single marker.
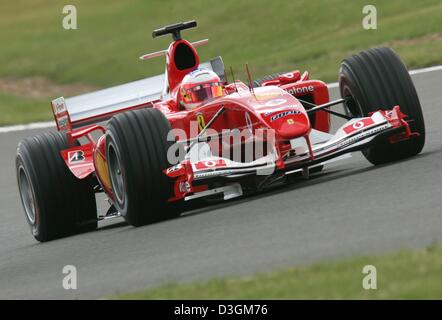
(201, 121)
(102, 170)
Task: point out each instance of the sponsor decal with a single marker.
(361, 136)
(284, 114)
(275, 102)
(174, 168)
(59, 106)
(63, 122)
(290, 121)
(184, 187)
(358, 125)
(301, 90)
(390, 114)
(212, 174)
(210, 164)
(76, 156)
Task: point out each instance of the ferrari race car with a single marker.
(149, 152)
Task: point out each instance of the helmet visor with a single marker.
(203, 92)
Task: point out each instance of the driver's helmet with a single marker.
(198, 87)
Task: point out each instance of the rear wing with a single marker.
(101, 105)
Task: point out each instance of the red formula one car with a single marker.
(153, 144)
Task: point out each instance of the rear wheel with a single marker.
(376, 79)
(56, 203)
(137, 146)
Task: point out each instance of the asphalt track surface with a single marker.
(353, 208)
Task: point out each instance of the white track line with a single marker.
(424, 70)
(29, 126)
(51, 124)
(417, 71)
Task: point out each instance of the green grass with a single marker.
(404, 275)
(22, 110)
(270, 36)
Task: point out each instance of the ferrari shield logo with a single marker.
(201, 121)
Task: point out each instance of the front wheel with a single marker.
(137, 146)
(376, 79)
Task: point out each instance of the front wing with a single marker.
(318, 148)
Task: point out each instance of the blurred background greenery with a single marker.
(410, 274)
(271, 36)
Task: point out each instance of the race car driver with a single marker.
(198, 87)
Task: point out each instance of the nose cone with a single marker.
(289, 124)
(281, 111)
